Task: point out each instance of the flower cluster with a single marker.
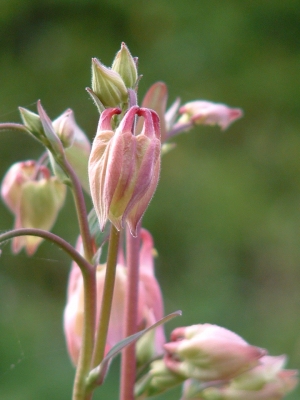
(217, 364)
(120, 171)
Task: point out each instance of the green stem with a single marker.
(84, 265)
(88, 337)
(107, 296)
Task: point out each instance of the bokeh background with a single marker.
(226, 215)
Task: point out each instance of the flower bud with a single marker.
(267, 381)
(150, 307)
(207, 113)
(124, 168)
(108, 85)
(65, 127)
(209, 352)
(32, 122)
(125, 66)
(78, 146)
(34, 197)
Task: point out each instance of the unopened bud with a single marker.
(33, 123)
(108, 85)
(78, 151)
(124, 168)
(65, 127)
(125, 65)
(209, 352)
(267, 381)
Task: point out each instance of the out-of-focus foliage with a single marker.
(226, 215)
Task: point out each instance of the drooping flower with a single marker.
(150, 303)
(34, 197)
(124, 168)
(208, 352)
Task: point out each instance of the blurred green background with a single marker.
(226, 215)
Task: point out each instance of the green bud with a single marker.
(33, 123)
(125, 65)
(108, 85)
(55, 144)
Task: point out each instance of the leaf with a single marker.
(96, 233)
(98, 374)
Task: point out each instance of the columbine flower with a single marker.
(34, 197)
(209, 352)
(202, 112)
(124, 168)
(150, 304)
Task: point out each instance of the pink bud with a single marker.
(124, 168)
(150, 307)
(266, 381)
(35, 199)
(209, 352)
(207, 113)
(77, 145)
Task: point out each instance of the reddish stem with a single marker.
(128, 366)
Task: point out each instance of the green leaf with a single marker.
(98, 374)
(98, 236)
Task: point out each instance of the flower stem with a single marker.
(88, 337)
(84, 265)
(107, 296)
(81, 211)
(128, 366)
(11, 126)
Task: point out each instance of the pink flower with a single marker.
(202, 112)
(150, 303)
(124, 168)
(34, 197)
(266, 381)
(209, 352)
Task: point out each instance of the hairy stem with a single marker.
(128, 366)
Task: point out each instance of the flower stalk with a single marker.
(107, 297)
(128, 365)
